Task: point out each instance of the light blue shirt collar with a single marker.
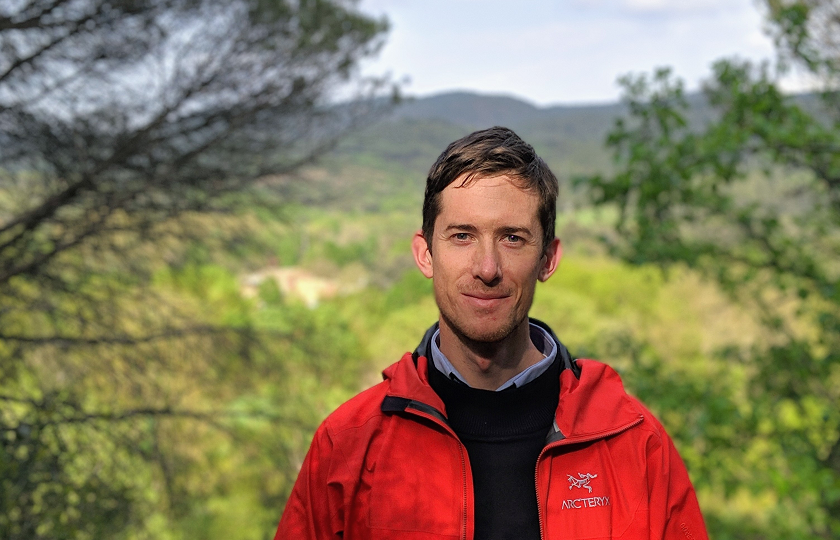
(541, 339)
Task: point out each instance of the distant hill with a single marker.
(398, 150)
(468, 109)
(477, 111)
(385, 165)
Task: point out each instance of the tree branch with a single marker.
(77, 341)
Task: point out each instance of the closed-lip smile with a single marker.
(482, 296)
(485, 300)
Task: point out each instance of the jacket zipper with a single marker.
(464, 476)
(462, 450)
(555, 444)
(563, 443)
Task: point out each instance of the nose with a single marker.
(487, 264)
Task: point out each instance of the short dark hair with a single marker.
(491, 152)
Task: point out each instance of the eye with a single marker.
(461, 236)
(514, 239)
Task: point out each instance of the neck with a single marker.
(488, 365)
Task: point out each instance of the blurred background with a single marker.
(206, 210)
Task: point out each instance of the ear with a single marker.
(553, 254)
(422, 254)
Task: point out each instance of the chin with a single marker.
(483, 333)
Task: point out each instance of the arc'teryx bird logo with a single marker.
(582, 481)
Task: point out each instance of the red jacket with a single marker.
(385, 465)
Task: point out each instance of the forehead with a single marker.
(499, 197)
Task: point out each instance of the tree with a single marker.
(751, 199)
(123, 125)
(146, 109)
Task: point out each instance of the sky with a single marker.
(562, 51)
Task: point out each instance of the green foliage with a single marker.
(195, 434)
(751, 200)
(806, 33)
(409, 290)
(343, 255)
(142, 395)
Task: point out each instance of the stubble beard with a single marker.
(481, 335)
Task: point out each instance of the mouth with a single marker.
(485, 300)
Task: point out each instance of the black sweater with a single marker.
(504, 433)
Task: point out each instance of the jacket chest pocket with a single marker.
(417, 483)
(592, 496)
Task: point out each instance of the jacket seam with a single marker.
(337, 431)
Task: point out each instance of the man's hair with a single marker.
(491, 152)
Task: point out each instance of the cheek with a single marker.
(450, 268)
(442, 282)
(525, 274)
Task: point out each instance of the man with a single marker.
(490, 430)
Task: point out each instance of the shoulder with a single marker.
(657, 435)
(358, 410)
(364, 411)
(599, 398)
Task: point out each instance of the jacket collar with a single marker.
(424, 348)
(592, 404)
(595, 404)
(409, 382)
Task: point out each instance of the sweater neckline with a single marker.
(509, 414)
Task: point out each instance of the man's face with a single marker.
(486, 257)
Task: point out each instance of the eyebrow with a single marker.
(461, 227)
(502, 230)
(516, 230)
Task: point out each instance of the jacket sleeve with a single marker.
(675, 513)
(314, 510)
